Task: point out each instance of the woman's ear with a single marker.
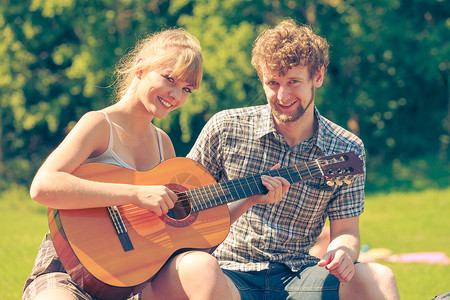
(139, 71)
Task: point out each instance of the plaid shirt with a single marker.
(240, 142)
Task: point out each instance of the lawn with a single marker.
(401, 222)
(411, 222)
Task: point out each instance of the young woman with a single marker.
(154, 79)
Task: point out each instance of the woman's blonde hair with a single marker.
(288, 45)
(174, 48)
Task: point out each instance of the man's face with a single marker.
(292, 95)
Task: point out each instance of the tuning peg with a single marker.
(330, 183)
(338, 182)
(347, 181)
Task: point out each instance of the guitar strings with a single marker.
(135, 215)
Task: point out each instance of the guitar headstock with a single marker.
(341, 168)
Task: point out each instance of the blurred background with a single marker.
(388, 80)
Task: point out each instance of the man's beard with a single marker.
(295, 115)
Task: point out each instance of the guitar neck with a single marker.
(222, 193)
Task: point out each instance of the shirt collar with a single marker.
(320, 134)
(266, 125)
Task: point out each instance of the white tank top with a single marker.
(110, 157)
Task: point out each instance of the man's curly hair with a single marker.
(288, 45)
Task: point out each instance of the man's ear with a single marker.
(319, 76)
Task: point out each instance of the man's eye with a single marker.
(272, 83)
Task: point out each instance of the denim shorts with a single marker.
(279, 282)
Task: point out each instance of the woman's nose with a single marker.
(175, 93)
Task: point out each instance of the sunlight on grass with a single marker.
(401, 222)
(23, 224)
(411, 222)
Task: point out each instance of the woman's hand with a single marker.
(155, 198)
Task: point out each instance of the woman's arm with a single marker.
(55, 186)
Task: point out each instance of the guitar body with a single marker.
(88, 244)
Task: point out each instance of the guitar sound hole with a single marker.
(181, 210)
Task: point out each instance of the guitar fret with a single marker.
(232, 190)
(298, 172)
(193, 197)
(290, 177)
(208, 196)
(218, 196)
(224, 192)
(308, 170)
(250, 186)
(242, 188)
(212, 193)
(315, 169)
(320, 168)
(202, 192)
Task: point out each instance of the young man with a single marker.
(265, 255)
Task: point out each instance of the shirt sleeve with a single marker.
(348, 200)
(207, 149)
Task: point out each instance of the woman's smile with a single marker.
(164, 103)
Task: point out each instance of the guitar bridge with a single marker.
(120, 228)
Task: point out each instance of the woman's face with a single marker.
(159, 93)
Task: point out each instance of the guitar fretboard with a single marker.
(221, 193)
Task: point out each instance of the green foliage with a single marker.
(409, 175)
(56, 61)
(388, 80)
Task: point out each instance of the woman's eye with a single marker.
(188, 90)
(168, 78)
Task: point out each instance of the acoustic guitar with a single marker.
(110, 250)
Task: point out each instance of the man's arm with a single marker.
(343, 250)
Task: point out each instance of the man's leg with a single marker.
(371, 281)
(191, 275)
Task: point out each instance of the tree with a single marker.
(388, 80)
(57, 58)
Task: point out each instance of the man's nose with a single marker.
(283, 93)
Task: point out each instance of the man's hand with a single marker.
(276, 186)
(339, 264)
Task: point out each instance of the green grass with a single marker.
(411, 222)
(23, 224)
(401, 222)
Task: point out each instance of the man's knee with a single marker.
(376, 279)
(375, 271)
(371, 281)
